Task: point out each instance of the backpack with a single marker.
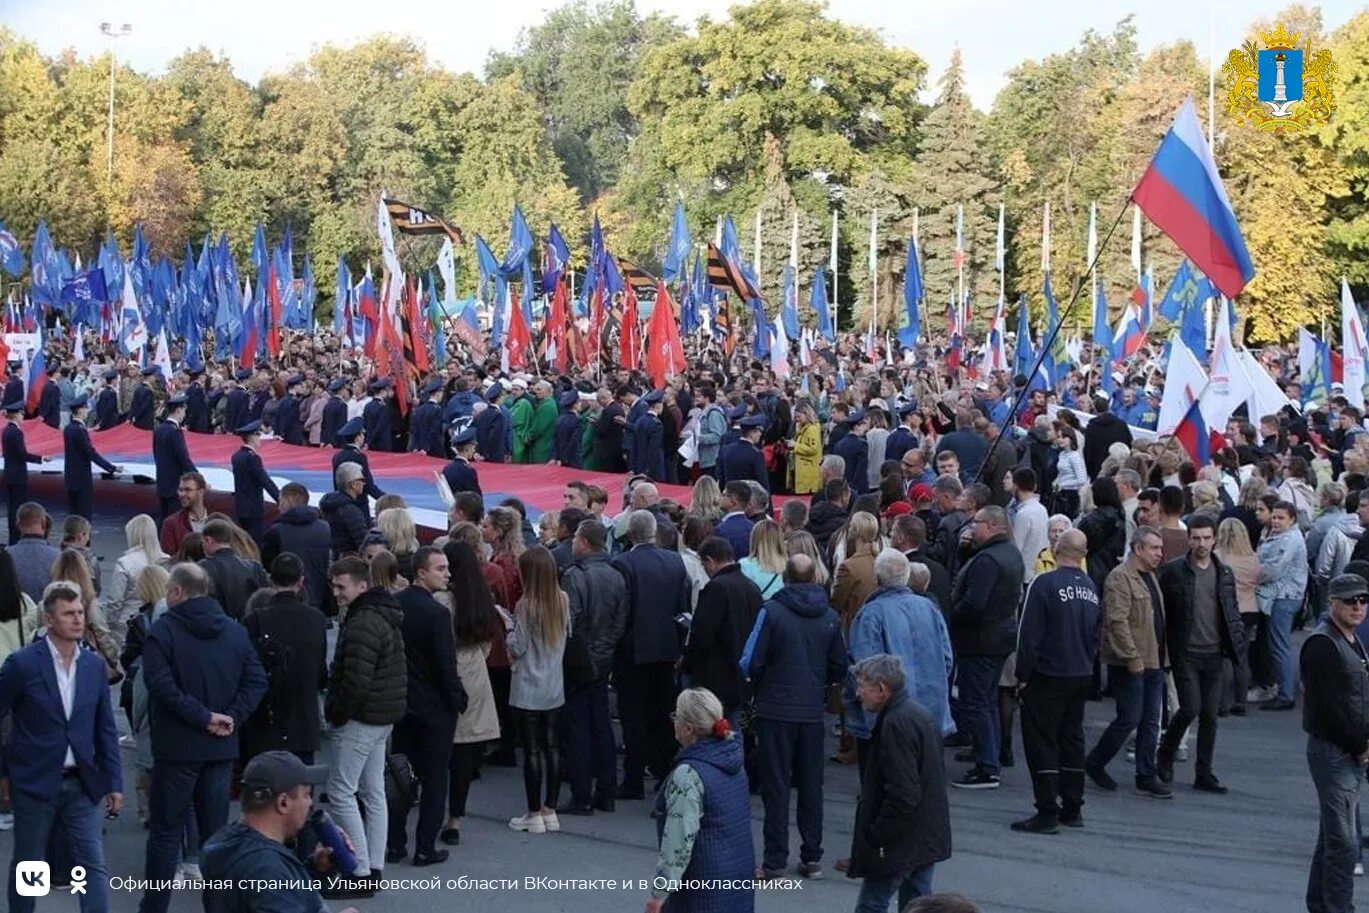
(401, 784)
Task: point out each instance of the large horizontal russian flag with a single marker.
(1183, 195)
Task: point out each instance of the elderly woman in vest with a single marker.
(702, 818)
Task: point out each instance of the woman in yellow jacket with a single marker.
(805, 452)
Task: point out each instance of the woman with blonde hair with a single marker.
(122, 601)
(396, 524)
(1234, 550)
(390, 502)
(855, 579)
(705, 847)
(537, 644)
(72, 566)
(706, 500)
(805, 451)
(765, 565)
(801, 542)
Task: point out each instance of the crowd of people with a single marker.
(921, 556)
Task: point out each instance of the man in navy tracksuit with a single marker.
(795, 652)
(1057, 643)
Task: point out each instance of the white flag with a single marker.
(806, 347)
(1093, 232)
(1355, 348)
(779, 349)
(1185, 381)
(1136, 241)
(1265, 396)
(163, 357)
(386, 230)
(446, 265)
(1228, 386)
(1046, 238)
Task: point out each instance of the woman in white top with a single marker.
(122, 601)
(765, 565)
(1070, 475)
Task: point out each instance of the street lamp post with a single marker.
(109, 31)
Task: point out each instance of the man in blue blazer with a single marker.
(80, 454)
(170, 455)
(62, 758)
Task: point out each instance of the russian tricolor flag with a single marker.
(1183, 195)
(1192, 433)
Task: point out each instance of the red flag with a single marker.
(273, 323)
(665, 354)
(518, 339)
(391, 359)
(629, 332)
(415, 348)
(557, 318)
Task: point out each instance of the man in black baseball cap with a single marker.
(277, 796)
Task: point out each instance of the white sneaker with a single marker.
(1359, 869)
(1261, 695)
(532, 823)
(1181, 753)
(188, 871)
(6, 822)
(551, 822)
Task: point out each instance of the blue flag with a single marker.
(1024, 357)
(789, 309)
(11, 254)
(83, 296)
(1187, 290)
(228, 328)
(520, 244)
(308, 297)
(821, 307)
(1102, 340)
(45, 285)
(1193, 330)
(689, 298)
(438, 318)
(342, 296)
(677, 251)
(487, 265)
(760, 346)
(909, 334)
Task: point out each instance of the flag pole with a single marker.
(832, 305)
(1050, 337)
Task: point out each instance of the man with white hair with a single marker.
(1129, 490)
(658, 593)
(900, 622)
(831, 467)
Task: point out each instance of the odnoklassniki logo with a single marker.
(1282, 87)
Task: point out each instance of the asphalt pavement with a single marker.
(1196, 853)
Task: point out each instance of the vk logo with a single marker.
(32, 879)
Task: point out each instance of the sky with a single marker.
(264, 36)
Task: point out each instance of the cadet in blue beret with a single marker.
(855, 450)
(250, 482)
(171, 456)
(237, 402)
(334, 413)
(17, 460)
(425, 425)
(568, 431)
(107, 402)
(197, 403)
(350, 437)
(288, 426)
(742, 459)
(377, 417)
(80, 453)
(492, 426)
(904, 437)
(648, 439)
(459, 473)
(142, 410)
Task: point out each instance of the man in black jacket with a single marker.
(794, 653)
(1335, 676)
(598, 599)
(367, 695)
(903, 821)
(658, 593)
(232, 580)
(203, 681)
(299, 530)
(1203, 629)
(1057, 645)
(983, 624)
(830, 514)
(1102, 431)
(291, 641)
(435, 699)
(727, 610)
(346, 510)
